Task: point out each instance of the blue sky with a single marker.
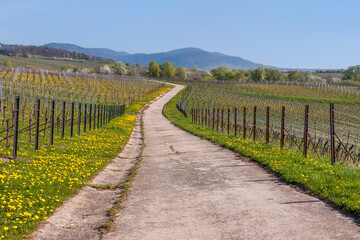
(283, 33)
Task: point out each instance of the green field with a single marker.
(49, 64)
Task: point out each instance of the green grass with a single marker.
(31, 190)
(49, 64)
(336, 184)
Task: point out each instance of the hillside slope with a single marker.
(185, 57)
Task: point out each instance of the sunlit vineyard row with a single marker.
(211, 95)
(89, 94)
(301, 90)
(109, 89)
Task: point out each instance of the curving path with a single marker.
(189, 188)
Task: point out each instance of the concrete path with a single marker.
(189, 188)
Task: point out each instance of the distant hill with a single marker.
(99, 52)
(43, 51)
(185, 57)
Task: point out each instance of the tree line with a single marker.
(166, 70)
(259, 74)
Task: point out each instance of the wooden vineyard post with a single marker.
(192, 115)
(213, 119)
(306, 122)
(196, 116)
(101, 114)
(104, 115)
(202, 117)
(222, 120)
(90, 112)
(110, 113)
(282, 127)
(254, 124)
(108, 116)
(228, 122)
(106, 120)
(267, 136)
(16, 126)
(244, 124)
(85, 112)
(72, 119)
(52, 116)
(98, 118)
(63, 120)
(235, 121)
(332, 133)
(209, 117)
(206, 117)
(217, 120)
(79, 119)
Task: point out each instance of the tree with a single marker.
(295, 76)
(230, 75)
(167, 69)
(8, 64)
(181, 72)
(273, 75)
(195, 68)
(258, 74)
(352, 73)
(119, 68)
(154, 69)
(219, 73)
(239, 74)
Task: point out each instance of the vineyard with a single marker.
(319, 118)
(39, 108)
(65, 129)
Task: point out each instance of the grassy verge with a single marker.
(338, 184)
(31, 190)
